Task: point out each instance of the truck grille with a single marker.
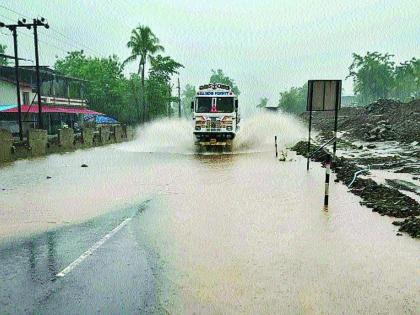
(214, 124)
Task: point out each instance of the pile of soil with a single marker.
(383, 120)
(380, 198)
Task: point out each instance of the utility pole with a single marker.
(36, 23)
(13, 27)
(179, 99)
(19, 103)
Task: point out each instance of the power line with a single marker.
(55, 31)
(42, 41)
(80, 44)
(7, 18)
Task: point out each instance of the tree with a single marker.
(187, 96)
(163, 67)
(263, 102)
(373, 76)
(158, 85)
(219, 77)
(407, 80)
(143, 44)
(106, 88)
(294, 100)
(3, 60)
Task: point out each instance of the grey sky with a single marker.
(266, 46)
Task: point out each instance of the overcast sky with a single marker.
(266, 46)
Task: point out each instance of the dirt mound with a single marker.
(383, 120)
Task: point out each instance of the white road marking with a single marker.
(92, 249)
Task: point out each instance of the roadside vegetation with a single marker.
(262, 103)
(135, 97)
(3, 60)
(375, 76)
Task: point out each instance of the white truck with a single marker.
(215, 115)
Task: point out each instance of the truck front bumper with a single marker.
(207, 136)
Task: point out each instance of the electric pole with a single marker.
(13, 27)
(19, 103)
(179, 99)
(36, 23)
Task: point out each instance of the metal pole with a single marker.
(309, 137)
(179, 99)
(337, 102)
(17, 83)
(310, 95)
(38, 79)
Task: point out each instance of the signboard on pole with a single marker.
(324, 95)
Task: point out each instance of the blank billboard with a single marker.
(324, 95)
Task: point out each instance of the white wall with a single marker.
(8, 93)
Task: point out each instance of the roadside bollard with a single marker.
(275, 144)
(327, 181)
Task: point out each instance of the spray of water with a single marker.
(164, 135)
(255, 135)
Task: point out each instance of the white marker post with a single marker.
(275, 144)
(327, 181)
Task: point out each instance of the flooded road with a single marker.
(237, 233)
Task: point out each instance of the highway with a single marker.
(170, 231)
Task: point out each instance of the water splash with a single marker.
(164, 135)
(255, 135)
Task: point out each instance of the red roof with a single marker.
(52, 109)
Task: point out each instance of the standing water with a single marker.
(227, 233)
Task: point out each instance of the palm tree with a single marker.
(143, 44)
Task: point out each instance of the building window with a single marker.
(25, 98)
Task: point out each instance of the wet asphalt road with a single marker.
(117, 278)
(220, 234)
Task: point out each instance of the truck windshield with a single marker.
(224, 104)
(203, 104)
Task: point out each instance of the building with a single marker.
(62, 99)
(271, 108)
(348, 101)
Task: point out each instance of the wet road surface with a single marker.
(211, 234)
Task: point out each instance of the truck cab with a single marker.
(215, 115)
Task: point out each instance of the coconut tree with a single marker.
(143, 44)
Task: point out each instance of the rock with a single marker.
(84, 165)
(48, 177)
(371, 146)
(399, 234)
(360, 147)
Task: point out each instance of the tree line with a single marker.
(374, 75)
(141, 96)
(131, 99)
(138, 97)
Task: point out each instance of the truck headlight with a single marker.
(229, 128)
(197, 128)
